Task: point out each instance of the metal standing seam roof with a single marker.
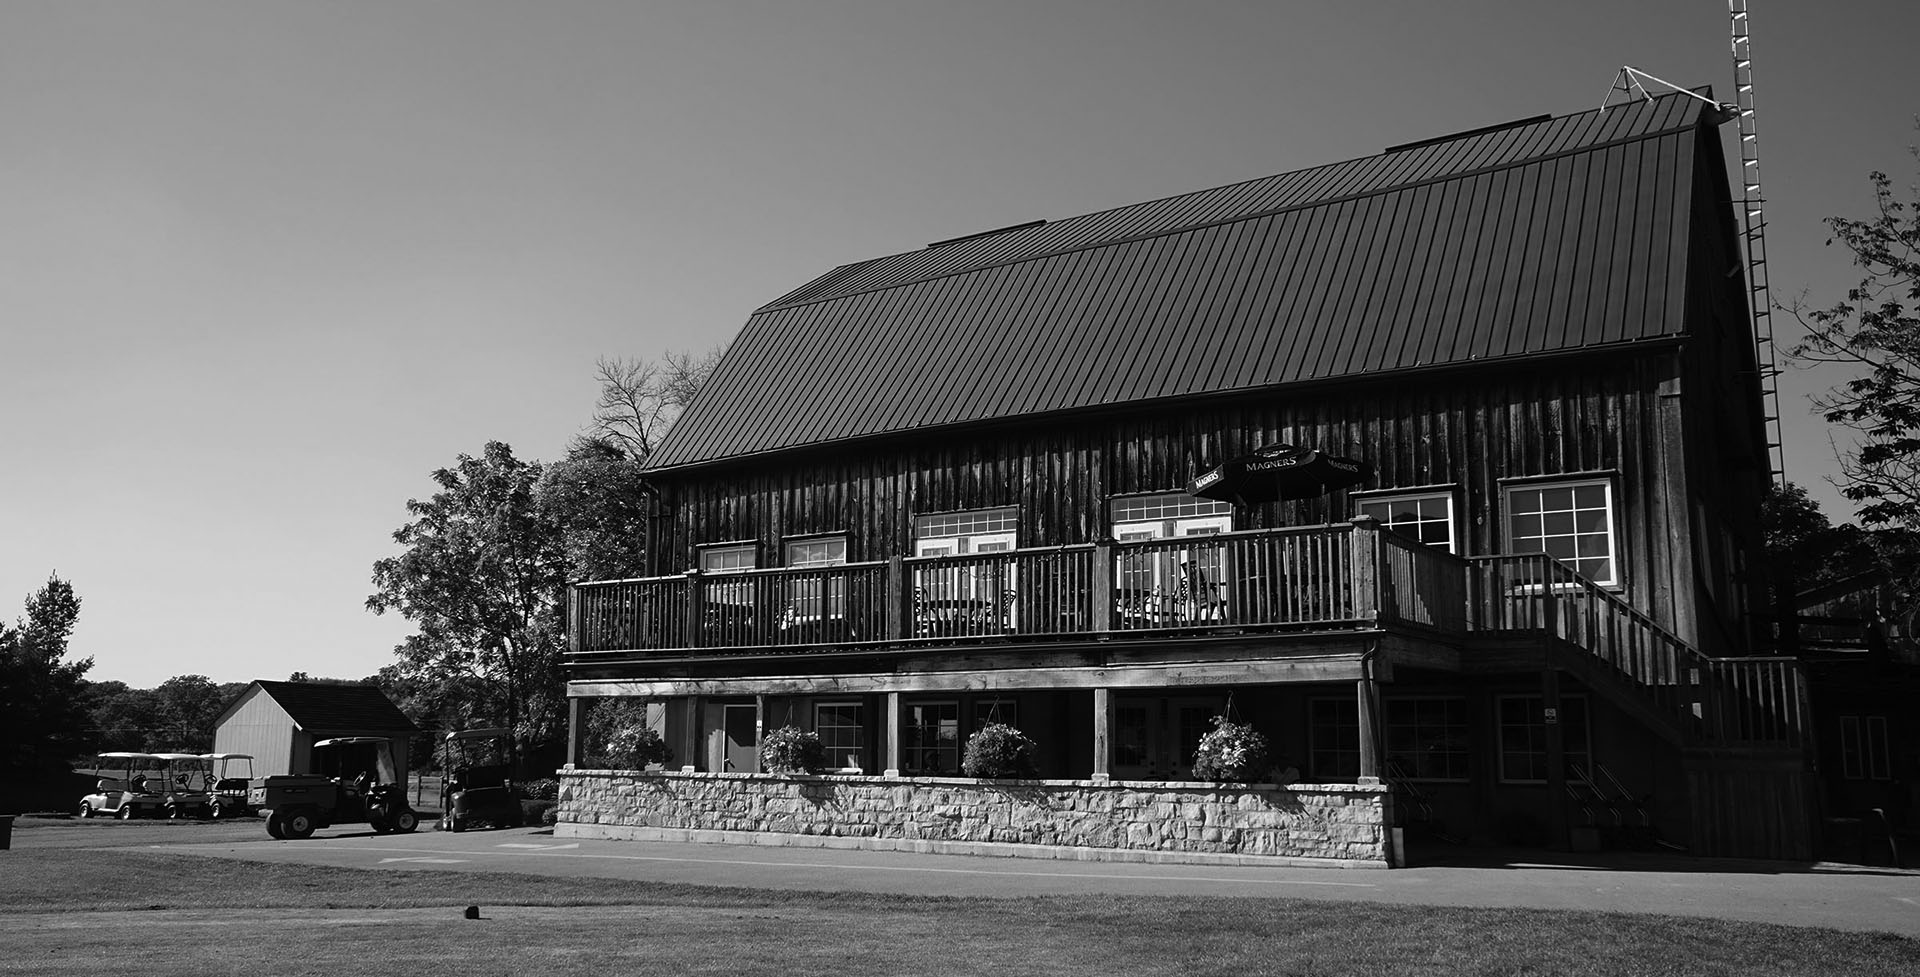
(1540, 237)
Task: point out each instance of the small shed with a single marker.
(278, 723)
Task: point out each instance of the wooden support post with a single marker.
(576, 729)
(1102, 733)
(896, 589)
(696, 611)
(1367, 695)
(893, 734)
(1558, 834)
(1101, 597)
(1366, 569)
(690, 736)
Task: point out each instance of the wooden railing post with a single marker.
(696, 610)
(1102, 589)
(573, 623)
(895, 588)
(1366, 569)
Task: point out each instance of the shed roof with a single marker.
(1544, 236)
(323, 707)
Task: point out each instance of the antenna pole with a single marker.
(1754, 227)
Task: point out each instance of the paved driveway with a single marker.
(1843, 897)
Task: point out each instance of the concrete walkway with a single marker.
(1842, 897)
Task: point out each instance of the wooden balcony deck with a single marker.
(1351, 578)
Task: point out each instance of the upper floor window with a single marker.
(974, 531)
(822, 551)
(1169, 514)
(1569, 521)
(728, 557)
(1426, 517)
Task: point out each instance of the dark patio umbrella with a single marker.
(1279, 471)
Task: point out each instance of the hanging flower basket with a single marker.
(998, 751)
(1231, 752)
(790, 750)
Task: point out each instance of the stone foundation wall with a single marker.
(1320, 824)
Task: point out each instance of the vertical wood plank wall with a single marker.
(1568, 416)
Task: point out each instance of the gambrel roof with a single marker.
(1540, 237)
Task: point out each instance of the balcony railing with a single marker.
(1324, 577)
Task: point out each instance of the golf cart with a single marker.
(127, 788)
(297, 804)
(481, 790)
(184, 785)
(228, 774)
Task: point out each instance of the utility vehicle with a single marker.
(298, 804)
(479, 782)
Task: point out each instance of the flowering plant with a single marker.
(998, 750)
(639, 746)
(1231, 751)
(791, 749)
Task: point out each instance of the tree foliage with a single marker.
(480, 574)
(43, 721)
(599, 503)
(1875, 332)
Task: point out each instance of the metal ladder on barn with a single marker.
(1754, 230)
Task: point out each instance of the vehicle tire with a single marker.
(276, 827)
(173, 812)
(456, 823)
(216, 811)
(126, 812)
(405, 821)
(86, 809)
(299, 825)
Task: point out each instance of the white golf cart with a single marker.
(128, 788)
(229, 773)
(186, 785)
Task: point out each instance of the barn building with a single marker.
(935, 489)
(277, 724)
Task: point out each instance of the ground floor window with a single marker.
(1523, 737)
(842, 729)
(1863, 748)
(996, 711)
(1428, 738)
(930, 735)
(1333, 739)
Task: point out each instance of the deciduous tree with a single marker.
(1875, 332)
(43, 719)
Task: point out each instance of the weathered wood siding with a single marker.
(1619, 413)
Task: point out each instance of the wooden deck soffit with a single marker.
(1329, 668)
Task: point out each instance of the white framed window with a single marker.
(1863, 748)
(842, 729)
(1571, 521)
(973, 596)
(1160, 585)
(815, 598)
(1425, 517)
(963, 527)
(1429, 737)
(728, 557)
(1333, 739)
(1523, 737)
(930, 735)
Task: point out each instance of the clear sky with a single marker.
(263, 266)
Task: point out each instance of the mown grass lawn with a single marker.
(69, 909)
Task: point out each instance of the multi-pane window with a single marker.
(1523, 737)
(813, 598)
(1426, 518)
(842, 732)
(930, 735)
(727, 557)
(942, 525)
(1863, 748)
(1427, 738)
(1333, 739)
(996, 711)
(1569, 521)
(1165, 507)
